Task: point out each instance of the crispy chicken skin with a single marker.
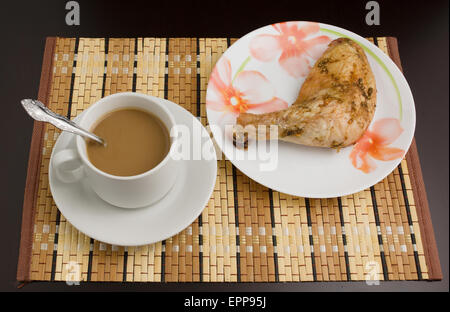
(335, 105)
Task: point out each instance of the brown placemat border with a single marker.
(31, 184)
(419, 191)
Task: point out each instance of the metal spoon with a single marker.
(38, 111)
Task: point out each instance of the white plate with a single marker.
(257, 66)
(132, 227)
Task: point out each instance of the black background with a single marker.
(422, 28)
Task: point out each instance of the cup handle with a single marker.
(68, 158)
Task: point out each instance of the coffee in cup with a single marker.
(136, 142)
(136, 168)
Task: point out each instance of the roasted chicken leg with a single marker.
(335, 105)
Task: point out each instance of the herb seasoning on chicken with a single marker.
(335, 105)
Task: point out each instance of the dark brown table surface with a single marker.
(422, 29)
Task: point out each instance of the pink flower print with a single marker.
(248, 91)
(290, 46)
(375, 143)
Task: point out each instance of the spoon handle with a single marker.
(40, 112)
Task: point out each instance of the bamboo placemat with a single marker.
(247, 232)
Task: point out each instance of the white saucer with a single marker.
(81, 206)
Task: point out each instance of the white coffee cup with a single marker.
(136, 191)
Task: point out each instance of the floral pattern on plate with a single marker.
(264, 71)
(375, 143)
(249, 90)
(292, 46)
